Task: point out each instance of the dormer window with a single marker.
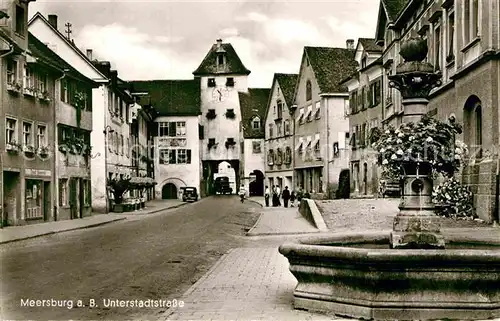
(363, 62)
(220, 60)
(256, 123)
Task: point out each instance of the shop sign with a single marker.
(37, 172)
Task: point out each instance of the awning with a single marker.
(142, 181)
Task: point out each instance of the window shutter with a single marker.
(60, 136)
(89, 99)
(172, 156)
(172, 129)
(201, 132)
(188, 156)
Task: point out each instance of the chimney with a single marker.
(219, 43)
(349, 44)
(89, 54)
(53, 20)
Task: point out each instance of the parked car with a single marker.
(190, 194)
(222, 186)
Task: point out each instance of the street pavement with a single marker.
(16, 233)
(157, 256)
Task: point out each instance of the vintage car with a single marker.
(222, 185)
(190, 194)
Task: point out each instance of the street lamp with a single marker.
(107, 130)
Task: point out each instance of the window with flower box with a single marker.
(270, 157)
(41, 136)
(183, 156)
(279, 157)
(29, 81)
(317, 113)
(288, 155)
(27, 134)
(12, 72)
(10, 130)
(287, 127)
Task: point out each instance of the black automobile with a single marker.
(190, 194)
(222, 185)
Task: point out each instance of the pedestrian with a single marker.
(292, 199)
(242, 192)
(299, 196)
(275, 197)
(267, 194)
(286, 196)
(278, 192)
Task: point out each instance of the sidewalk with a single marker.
(245, 284)
(18, 233)
(281, 221)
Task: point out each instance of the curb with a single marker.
(316, 216)
(249, 233)
(258, 203)
(200, 280)
(282, 234)
(155, 211)
(65, 230)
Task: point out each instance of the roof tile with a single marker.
(171, 97)
(331, 66)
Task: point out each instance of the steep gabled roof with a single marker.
(71, 44)
(45, 55)
(331, 66)
(369, 45)
(233, 63)
(253, 103)
(287, 84)
(171, 97)
(393, 8)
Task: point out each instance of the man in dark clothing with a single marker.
(286, 196)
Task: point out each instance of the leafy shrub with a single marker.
(453, 200)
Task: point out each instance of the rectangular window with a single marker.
(162, 129)
(20, 20)
(180, 128)
(10, 130)
(11, 71)
(211, 82)
(42, 136)
(256, 147)
(27, 134)
(64, 90)
(163, 156)
(172, 159)
(42, 83)
(451, 30)
(287, 127)
(437, 48)
(475, 19)
(181, 156)
(271, 133)
(278, 130)
(121, 144)
(63, 192)
(317, 113)
(230, 82)
(256, 123)
(280, 109)
(29, 79)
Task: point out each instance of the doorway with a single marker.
(256, 187)
(46, 201)
(169, 191)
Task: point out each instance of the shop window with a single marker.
(33, 199)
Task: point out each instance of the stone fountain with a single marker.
(410, 273)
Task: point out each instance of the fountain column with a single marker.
(416, 225)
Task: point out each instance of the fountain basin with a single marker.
(358, 275)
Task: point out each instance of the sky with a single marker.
(164, 39)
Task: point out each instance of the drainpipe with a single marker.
(54, 179)
(327, 156)
(11, 50)
(496, 220)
